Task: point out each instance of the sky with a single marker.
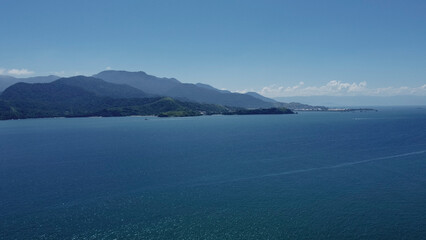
(277, 48)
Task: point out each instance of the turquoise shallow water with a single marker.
(304, 176)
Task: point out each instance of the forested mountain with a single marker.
(147, 83)
(69, 98)
(121, 93)
(140, 84)
(171, 87)
(200, 92)
(103, 88)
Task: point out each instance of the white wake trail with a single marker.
(347, 164)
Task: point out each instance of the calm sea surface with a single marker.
(305, 176)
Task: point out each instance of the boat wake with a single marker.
(341, 165)
(137, 192)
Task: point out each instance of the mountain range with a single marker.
(170, 87)
(7, 81)
(82, 96)
(121, 93)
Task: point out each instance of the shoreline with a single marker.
(152, 116)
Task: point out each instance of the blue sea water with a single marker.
(311, 175)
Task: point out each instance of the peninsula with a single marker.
(82, 96)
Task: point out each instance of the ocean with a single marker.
(312, 175)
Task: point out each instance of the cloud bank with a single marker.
(338, 88)
(16, 72)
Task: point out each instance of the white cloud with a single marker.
(241, 91)
(1, 71)
(108, 68)
(19, 72)
(60, 73)
(338, 88)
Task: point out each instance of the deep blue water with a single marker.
(305, 176)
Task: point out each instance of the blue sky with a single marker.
(278, 48)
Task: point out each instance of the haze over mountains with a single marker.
(171, 87)
(140, 84)
(7, 81)
(103, 88)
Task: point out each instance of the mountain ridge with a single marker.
(58, 99)
(141, 84)
(103, 88)
(171, 87)
(200, 92)
(7, 81)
